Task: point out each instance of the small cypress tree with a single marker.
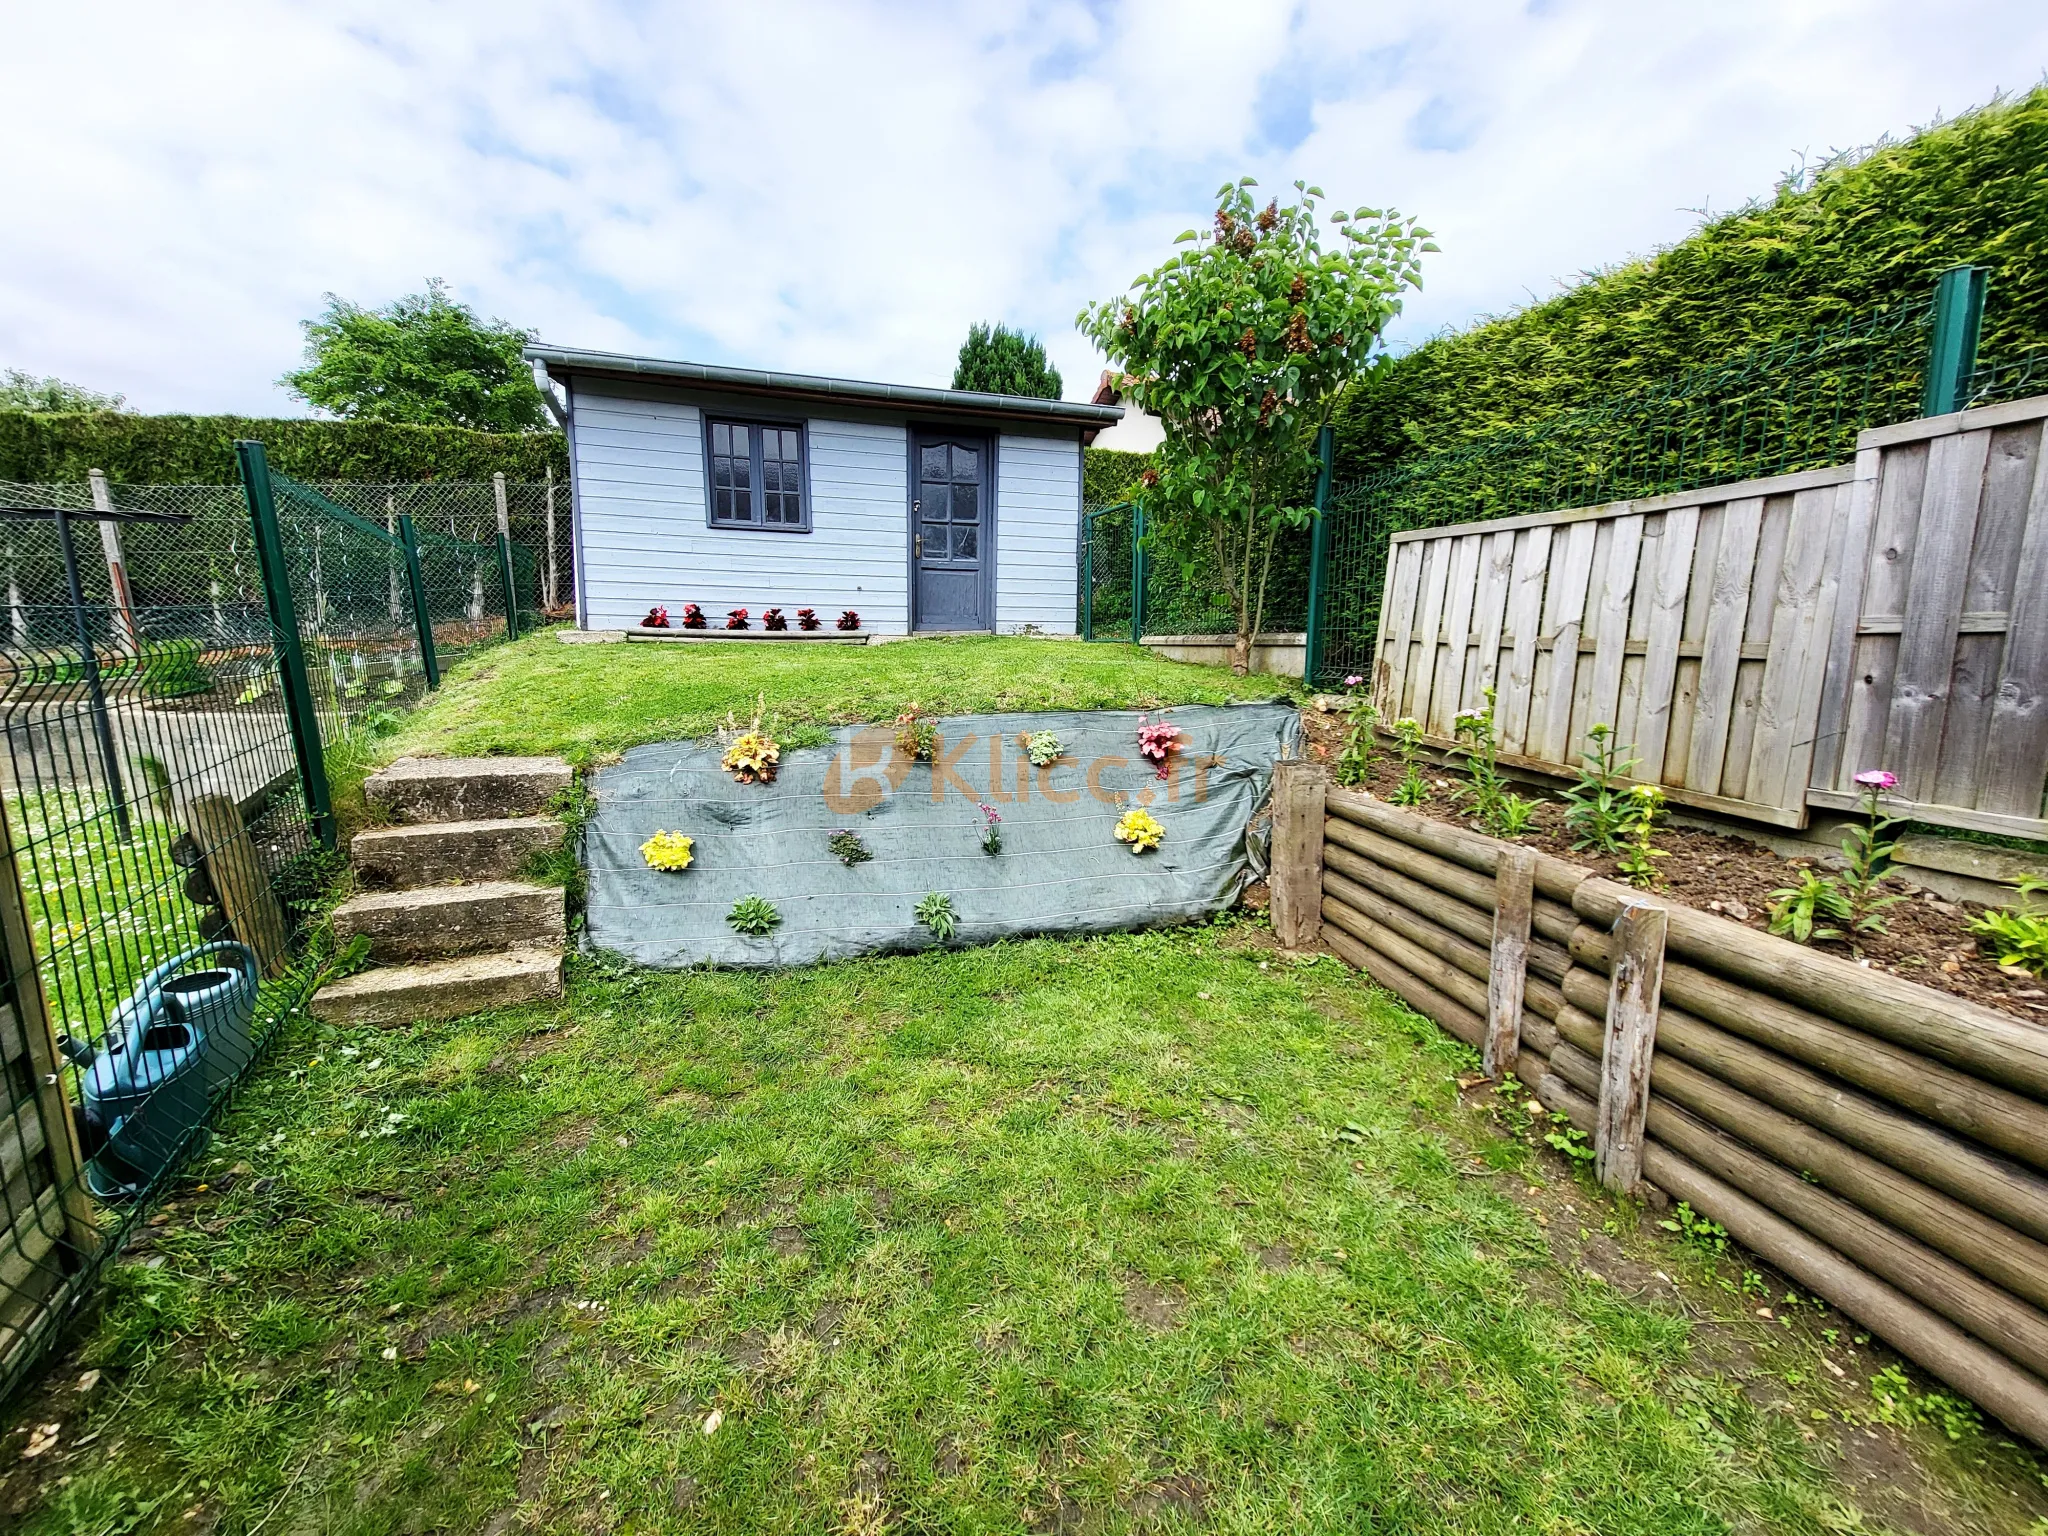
(996, 360)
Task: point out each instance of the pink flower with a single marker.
(1353, 680)
(1877, 778)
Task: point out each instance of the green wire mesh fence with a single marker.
(162, 815)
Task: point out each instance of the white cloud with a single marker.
(844, 187)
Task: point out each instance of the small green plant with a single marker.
(753, 916)
(1598, 811)
(2018, 934)
(1707, 1236)
(1413, 788)
(1042, 747)
(1354, 763)
(1899, 1403)
(936, 913)
(1515, 816)
(1568, 1138)
(848, 849)
(1805, 912)
(1639, 855)
(1485, 788)
(1865, 852)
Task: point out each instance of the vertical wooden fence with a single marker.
(1755, 645)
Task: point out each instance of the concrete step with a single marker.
(466, 788)
(442, 852)
(441, 989)
(444, 921)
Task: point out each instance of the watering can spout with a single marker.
(77, 1052)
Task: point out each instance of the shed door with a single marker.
(949, 526)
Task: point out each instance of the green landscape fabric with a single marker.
(1061, 868)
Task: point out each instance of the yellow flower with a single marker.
(752, 757)
(1139, 830)
(667, 850)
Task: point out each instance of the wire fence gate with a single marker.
(1797, 404)
(177, 674)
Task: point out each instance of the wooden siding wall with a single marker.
(1038, 517)
(1756, 645)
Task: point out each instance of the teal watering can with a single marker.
(182, 1036)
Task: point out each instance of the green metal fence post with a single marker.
(511, 583)
(422, 616)
(1088, 574)
(1318, 558)
(1952, 350)
(1137, 571)
(300, 714)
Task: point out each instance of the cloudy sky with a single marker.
(844, 187)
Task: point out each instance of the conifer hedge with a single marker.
(1861, 233)
(171, 450)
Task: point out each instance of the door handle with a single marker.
(920, 546)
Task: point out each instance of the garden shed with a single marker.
(922, 510)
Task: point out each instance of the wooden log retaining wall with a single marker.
(1883, 1144)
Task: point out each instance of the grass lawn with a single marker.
(1152, 1231)
(587, 701)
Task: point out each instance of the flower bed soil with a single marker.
(1926, 939)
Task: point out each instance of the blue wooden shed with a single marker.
(924, 510)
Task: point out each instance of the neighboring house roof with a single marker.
(1138, 432)
(806, 386)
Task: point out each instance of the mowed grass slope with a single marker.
(1151, 1231)
(586, 701)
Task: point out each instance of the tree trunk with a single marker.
(1241, 653)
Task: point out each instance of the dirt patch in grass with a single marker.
(1157, 1307)
(1926, 939)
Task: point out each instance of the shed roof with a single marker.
(807, 386)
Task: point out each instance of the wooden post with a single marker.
(23, 1002)
(1295, 875)
(1514, 899)
(1632, 996)
(232, 864)
(129, 637)
(553, 590)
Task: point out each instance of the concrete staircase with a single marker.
(452, 931)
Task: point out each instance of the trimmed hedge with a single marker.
(175, 450)
(1861, 234)
(1110, 475)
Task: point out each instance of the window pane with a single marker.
(935, 462)
(964, 541)
(966, 499)
(721, 438)
(721, 504)
(966, 463)
(771, 475)
(935, 541)
(935, 502)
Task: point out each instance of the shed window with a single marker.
(757, 476)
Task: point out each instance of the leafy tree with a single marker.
(423, 359)
(999, 361)
(25, 392)
(1240, 347)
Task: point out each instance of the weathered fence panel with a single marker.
(1697, 625)
(1755, 645)
(1943, 678)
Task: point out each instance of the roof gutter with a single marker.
(805, 386)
